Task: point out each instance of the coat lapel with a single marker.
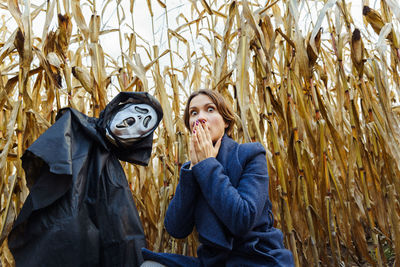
(229, 158)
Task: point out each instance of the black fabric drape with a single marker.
(80, 210)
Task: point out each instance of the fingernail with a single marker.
(203, 121)
(197, 122)
(194, 131)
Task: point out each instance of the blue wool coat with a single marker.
(226, 198)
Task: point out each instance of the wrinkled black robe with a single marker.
(80, 210)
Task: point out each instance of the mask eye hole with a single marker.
(146, 121)
(142, 110)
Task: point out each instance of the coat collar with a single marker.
(229, 158)
(225, 151)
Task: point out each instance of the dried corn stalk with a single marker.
(324, 103)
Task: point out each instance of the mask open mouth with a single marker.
(126, 123)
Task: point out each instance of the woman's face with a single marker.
(201, 108)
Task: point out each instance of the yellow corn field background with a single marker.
(317, 90)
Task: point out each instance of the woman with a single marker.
(223, 191)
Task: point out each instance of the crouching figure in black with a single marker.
(80, 210)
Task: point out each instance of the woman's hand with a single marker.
(201, 146)
(192, 153)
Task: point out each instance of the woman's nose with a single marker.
(202, 117)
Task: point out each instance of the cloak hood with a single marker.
(138, 152)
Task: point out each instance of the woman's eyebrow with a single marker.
(206, 104)
(209, 104)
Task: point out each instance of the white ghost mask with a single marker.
(132, 122)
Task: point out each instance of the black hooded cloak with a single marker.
(80, 210)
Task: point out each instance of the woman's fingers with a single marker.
(217, 146)
(202, 143)
(196, 130)
(202, 134)
(207, 132)
(206, 136)
(193, 156)
(195, 145)
(199, 143)
(196, 141)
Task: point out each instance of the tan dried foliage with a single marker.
(324, 103)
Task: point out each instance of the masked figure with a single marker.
(80, 210)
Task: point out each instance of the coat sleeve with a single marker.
(179, 219)
(238, 208)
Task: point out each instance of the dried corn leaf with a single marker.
(13, 7)
(139, 70)
(164, 100)
(9, 212)
(79, 18)
(206, 7)
(9, 136)
(318, 24)
(49, 17)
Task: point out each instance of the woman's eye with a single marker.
(193, 113)
(210, 109)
